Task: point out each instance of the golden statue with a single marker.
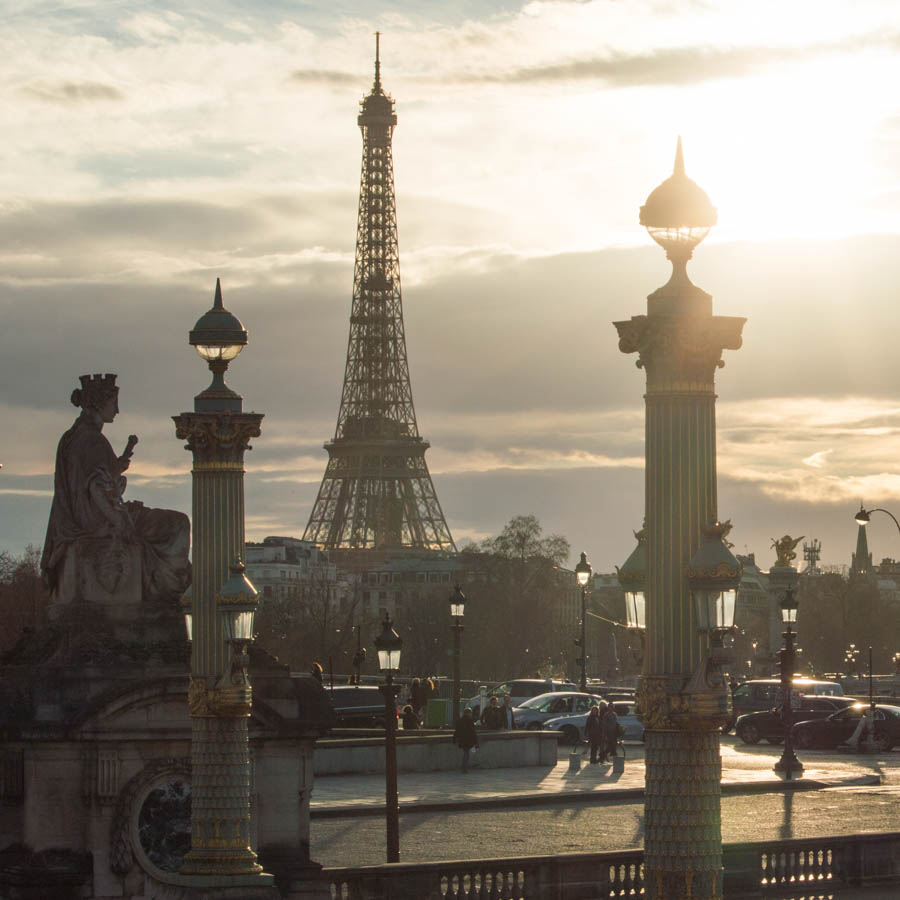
(784, 550)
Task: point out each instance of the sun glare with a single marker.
(794, 153)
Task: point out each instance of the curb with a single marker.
(610, 795)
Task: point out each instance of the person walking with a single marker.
(408, 718)
(417, 696)
(609, 723)
(492, 717)
(465, 737)
(593, 730)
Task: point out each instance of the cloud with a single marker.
(326, 76)
(73, 92)
(680, 66)
(817, 460)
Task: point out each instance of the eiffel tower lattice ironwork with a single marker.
(377, 493)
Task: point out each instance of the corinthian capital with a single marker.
(680, 349)
(222, 436)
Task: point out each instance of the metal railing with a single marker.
(807, 867)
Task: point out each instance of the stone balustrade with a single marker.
(753, 871)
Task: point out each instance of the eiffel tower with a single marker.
(377, 493)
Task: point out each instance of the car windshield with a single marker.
(541, 702)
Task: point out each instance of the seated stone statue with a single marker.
(99, 547)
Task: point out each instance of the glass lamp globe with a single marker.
(388, 645)
(583, 571)
(678, 214)
(218, 334)
(632, 578)
(635, 609)
(457, 603)
(237, 602)
(789, 605)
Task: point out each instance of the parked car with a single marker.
(535, 711)
(768, 725)
(520, 690)
(357, 705)
(839, 727)
(761, 693)
(571, 727)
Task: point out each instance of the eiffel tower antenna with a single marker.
(377, 493)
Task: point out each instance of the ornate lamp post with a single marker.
(679, 342)
(221, 607)
(388, 645)
(788, 765)
(457, 610)
(359, 657)
(583, 576)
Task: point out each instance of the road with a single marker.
(591, 826)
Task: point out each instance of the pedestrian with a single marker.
(417, 696)
(593, 730)
(316, 671)
(408, 718)
(465, 737)
(609, 723)
(492, 716)
(507, 719)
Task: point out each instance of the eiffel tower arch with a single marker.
(377, 493)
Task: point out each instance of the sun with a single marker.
(790, 153)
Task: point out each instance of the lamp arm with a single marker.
(879, 509)
(594, 615)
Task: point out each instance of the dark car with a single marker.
(767, 724)
(357, 705)
(839, 727)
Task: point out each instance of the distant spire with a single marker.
(217, 303)
(377, 60)
(861, 561)
(679, 159)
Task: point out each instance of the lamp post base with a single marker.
(788, 766)
(683, 842)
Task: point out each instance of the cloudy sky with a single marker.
(147, 150)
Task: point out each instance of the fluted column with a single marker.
(680, 353)
(220, 695)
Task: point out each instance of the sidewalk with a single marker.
(354, 795)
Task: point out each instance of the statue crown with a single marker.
(94, 390)
(105, 384)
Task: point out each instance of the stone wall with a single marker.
(433, 751)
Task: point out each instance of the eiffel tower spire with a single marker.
(377, 493)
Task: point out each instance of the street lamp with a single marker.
(387, 646)
(713, 575)
(220, 603)
(788, 765)
(359, 657)
(864, 515)
(679, 343)
(583, 576)
(457, 610)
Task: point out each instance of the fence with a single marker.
(775, 870)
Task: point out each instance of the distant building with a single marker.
(285, 567)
